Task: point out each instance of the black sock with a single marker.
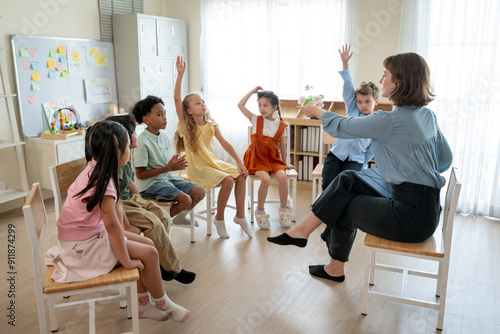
(185, 277)
(285, 239)
(167, 275)
(319, 271)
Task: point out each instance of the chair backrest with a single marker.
(35, 217)
(61, 177)
(288, 144)
(325, 139)
(450, 207)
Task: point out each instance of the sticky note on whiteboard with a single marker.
(51, 63)
(35, 76)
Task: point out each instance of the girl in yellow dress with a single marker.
(194, 134)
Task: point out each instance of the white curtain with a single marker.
(281, 45)
(463, 52)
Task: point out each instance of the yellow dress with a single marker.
(204, 168)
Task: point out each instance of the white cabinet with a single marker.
(43, 153)
(146, 48)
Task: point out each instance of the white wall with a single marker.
(379, 30)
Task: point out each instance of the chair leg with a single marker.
(439, 279)
(52, 315)
(366, 279)
(123, 291)
(42, 321)
(135, 308)
(91, 316)
(208, 199)
(294, 183)
(191, 225)
(251, 200)
(314, 190)
(444, 285)
(373, 263)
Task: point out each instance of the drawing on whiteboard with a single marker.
(76, 65)
(98, 90)
(97, 57)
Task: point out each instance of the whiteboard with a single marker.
(54, 86)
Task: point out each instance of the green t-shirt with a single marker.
(152, 151)
(125, 178)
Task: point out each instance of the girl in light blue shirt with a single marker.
(410, 152)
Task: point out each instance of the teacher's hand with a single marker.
(311, 109)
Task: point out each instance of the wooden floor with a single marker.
(252, 286)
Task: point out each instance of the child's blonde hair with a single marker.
(191, 127)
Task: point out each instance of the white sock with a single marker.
(180, 314)
(221, 228)
(244, 225)
(180, 217)
(148, 311)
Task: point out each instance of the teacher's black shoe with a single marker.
(319, 271)
(284, 239)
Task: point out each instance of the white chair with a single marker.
(317, 174)
(436, 248)
(291, 177)
(48, 290)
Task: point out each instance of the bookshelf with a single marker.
(299, 121)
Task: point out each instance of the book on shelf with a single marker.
(300, 169)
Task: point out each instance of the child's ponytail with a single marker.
(105, 142)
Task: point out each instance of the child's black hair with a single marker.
(104, 142)
(272, 97)
(127, 121)
(143, 107)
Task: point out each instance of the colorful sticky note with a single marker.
(61, 49)
(31, 99)
(33, 52)
(51, 63)
(52, 74)
(63, 59)
(35, 86)
(34, 65)
(53, 53)
(64, 73)
(26, 64)
(59, 67)
(23, 52)
(35, 76)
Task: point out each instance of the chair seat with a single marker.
(292, 173)
(318, 170)
(117, 275)
(433, 246)
(160, 203)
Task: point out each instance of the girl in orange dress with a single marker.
(263, 158)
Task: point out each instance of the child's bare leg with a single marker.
(239, 195)
(265, 181)
(280, 176)
(197, 193)
(183, 202)
(224, 193)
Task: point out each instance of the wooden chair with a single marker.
(292, 177)
(48, 290)
(436, 248)
(317, 174)
(61, 177)
(166, 206)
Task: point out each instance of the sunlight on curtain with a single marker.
(464, 57)
(281, 45)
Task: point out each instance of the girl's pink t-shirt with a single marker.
(75, 223)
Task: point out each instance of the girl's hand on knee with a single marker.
(134, 263)
(243, 170)
(291, 167)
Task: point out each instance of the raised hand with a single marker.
(256, 89)
(177, 163)
(180, 65)
(345, 56)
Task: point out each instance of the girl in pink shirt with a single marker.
(92, 240)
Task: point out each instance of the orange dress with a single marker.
(263, 153)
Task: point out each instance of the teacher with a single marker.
(410, 153)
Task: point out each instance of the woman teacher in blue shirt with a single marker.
(410, 153)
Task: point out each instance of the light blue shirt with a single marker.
(359, 150)
(152, 151)
(407, 143)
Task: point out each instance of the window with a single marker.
(108, 8)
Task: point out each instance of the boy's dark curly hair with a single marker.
(143, 107)
(127, 121)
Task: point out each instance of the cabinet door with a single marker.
(149, 77)
(164, 38)
(165, 77)
(180, 39)
(70, 151)
(172, 119)
(147, 33)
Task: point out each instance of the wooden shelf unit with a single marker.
(298, 120)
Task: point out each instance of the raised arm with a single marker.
(248, 114)
(181, 68)
(345, 56)
(231, 151)
(348, 92)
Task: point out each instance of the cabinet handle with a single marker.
(173, 31)
(143, 69)
(142, 28)
(159, 68)
(159, 29)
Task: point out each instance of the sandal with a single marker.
(262, 221)
(285, 218)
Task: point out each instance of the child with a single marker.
(148, 216)
(194, 134)
(262, 158)
(90, 228)
(152, 162)
(353, 154)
